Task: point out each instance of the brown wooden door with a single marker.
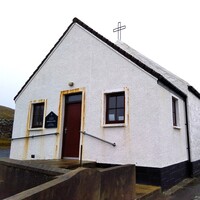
(72, 124)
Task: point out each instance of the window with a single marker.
(74, 98)
(115, 108)
(37, 115)
(175, 114)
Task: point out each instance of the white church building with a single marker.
(94, 100)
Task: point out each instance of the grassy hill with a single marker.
(6, 123)
(6, 113)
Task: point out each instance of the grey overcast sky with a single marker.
(166, 31)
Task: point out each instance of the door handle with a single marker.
(65, 130)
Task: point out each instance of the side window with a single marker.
(175, 112)
(115, 108)
(37, 115)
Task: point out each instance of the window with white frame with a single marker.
(37, 115)
(115, 108)
(175, 112)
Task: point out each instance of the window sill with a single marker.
(36, 129)
(177, 127)
(114, 125)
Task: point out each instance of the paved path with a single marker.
(187, 192)
(191, 191)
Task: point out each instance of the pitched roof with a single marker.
(132, 57)
(177, 81)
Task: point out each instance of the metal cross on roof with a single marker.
(118, 30)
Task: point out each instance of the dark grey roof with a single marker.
(138, 62)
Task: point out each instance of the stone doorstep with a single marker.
(146, 191)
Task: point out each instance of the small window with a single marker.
(115, 108)
(37, 115)
(73, 98)
(175, 111)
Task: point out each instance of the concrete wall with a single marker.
(116, 183)
(147, 138)
(79, 184)
(16, 177)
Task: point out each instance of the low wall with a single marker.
(78, 184)
(16, 177)
(116, 183)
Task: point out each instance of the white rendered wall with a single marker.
(194, 126)
(148, 139)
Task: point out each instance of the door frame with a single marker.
(61, 116)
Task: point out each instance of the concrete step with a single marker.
(63, 163)
(147, 192)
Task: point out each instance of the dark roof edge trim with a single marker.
(172, 87)
(194, 91)
(46, 57)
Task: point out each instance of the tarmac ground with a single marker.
(188, 189)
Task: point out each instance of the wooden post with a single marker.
(81, 155)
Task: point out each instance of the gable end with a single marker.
(160, 78)
(43, 61)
